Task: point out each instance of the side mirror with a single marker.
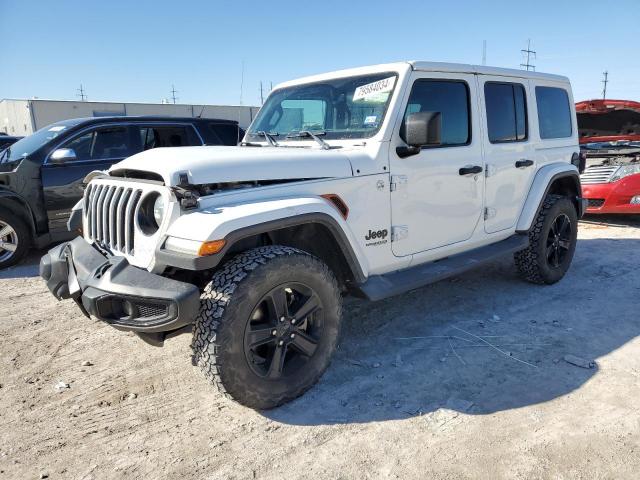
(421, 129)
(62, 155)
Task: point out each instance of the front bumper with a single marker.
(112, 290)
(613, 197)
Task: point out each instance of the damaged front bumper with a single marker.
(112, 290)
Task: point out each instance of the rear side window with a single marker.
(155, 136)
(506, 112)
(554, 112)
(226, 133)
(451, 99)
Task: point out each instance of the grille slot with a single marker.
(598, 174)
(595, 202)
(110, 212)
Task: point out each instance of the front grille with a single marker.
(110, 212)
(598, 174)
(595, 202)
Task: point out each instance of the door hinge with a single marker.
(397, 182)
(489, 213)
(399, 232)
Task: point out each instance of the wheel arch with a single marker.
(557, 179)
(316, 233)
(14, 203)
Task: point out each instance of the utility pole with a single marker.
(81, 94)
(261, 94)
(484, 52)
(529, 53)
(604, 82)
(173, 94)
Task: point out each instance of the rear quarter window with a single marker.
(554, 112)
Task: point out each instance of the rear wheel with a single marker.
(268, 325)
(552, 242)
(14, 239)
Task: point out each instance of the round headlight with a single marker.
(158, 210)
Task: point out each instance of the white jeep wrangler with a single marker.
(371, 181)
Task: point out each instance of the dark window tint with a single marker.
(554, 112)
(167, 136)
(451, 99)
(226, 133)
(506, 112)
(101, 144)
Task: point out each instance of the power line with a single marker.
(173, 94)
(81, 94)
(529, 53)
(604, 82)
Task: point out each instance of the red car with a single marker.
(610, 143)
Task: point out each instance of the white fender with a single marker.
(217, 223)
(545, 176)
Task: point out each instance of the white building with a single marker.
(23, 117)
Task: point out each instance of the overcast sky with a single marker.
(135, 50)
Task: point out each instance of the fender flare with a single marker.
(544, 179)
(27, 213)
(328, 219)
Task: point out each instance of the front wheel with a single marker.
(552, 242)
(268, 325)
(14, 238)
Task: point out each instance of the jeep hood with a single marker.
(220, 164)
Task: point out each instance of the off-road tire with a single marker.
(226, 305)
(532, 263)
(23, 237)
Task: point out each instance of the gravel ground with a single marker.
(463, 379)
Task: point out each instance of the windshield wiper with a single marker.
(315, 136)
(269, 137)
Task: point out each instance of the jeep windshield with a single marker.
(339, 108)
(12, 155)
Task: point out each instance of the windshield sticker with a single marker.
(376, 92)
(57, 128)
(371, 120)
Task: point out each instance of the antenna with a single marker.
(604, 82)
(529, 53)
(81, 94)
(484, 52)
(241, 82)
(173, 94)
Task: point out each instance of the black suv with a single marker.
(41, 176)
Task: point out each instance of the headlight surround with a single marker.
(625, 171)
(151, 213)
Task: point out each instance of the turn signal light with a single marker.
(210, 248)
(338, 203)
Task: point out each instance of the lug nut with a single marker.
(293, 335)
(293, 320)
(274, 332)
(280, 343)
(282, 319)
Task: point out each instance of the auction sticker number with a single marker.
(375, 92)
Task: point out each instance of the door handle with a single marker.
(524, 163)
(470, 170)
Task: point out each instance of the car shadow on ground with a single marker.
(28, 267)
(479, 344)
